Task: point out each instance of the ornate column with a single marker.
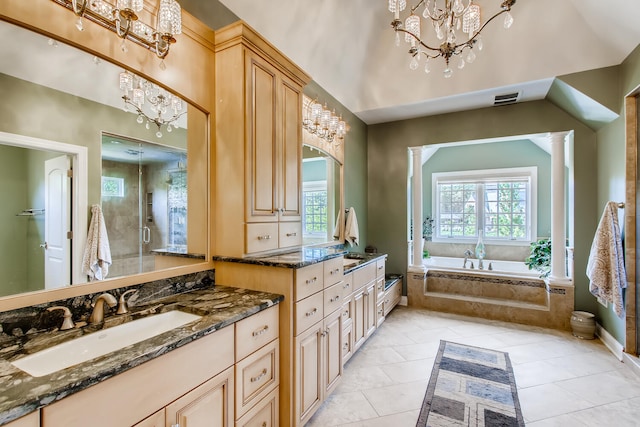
(416, 214)
(558, 210)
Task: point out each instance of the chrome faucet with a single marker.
(67, 323)
(97, 315)
(467, 254)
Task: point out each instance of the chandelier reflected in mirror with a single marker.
(448, 18)
(121, 17)
(139, 92)
(322, 122)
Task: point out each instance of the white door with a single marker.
(57, 247)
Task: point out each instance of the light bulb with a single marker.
(448, 72)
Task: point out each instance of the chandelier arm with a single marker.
(413, 9)
(472, 39)
(423, 44)
(158, 121)
(79, 10)
(122, 33)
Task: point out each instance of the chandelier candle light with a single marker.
(121, 17)
(137, 91)
(322, 122)
(446, 17)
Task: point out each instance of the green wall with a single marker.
(387, 156)
(494, 155)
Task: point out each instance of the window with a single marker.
(314, 204)
(500, 202)
(112, 187)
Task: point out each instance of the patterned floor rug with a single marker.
(471, 386)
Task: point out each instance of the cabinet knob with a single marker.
(265, 237)
(311, 313)
(334, 299)
(346, 285)
(292, 234)
(309, 281)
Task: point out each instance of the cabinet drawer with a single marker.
(309, 280)
(290, 234)
(347, 285)
(308, 312)
(380, 267)
(333, 271)
(347, 311)
(380, 288)
(261, 237)
(333, 298)
(256, 331)
(364, 275)
(256, 376)
(264, 414)
(347, 343)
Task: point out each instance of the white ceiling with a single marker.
(348, 48)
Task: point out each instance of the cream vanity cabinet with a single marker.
(311, 329)
(30, 420)
(228, 378)
(258, 144)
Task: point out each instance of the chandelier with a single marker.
(121, 17)
(446, 20)
(320, 121)
(138, 91)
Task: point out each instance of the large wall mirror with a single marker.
(320, 196)
(62, 110)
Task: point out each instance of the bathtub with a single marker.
(501, 268)
(509, 292)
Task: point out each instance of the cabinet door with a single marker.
(208, 405)
(261, 150)
(370, 308)
(308, 371)
(290, 103)
(30, 420)
(359, 314)
(332, 352)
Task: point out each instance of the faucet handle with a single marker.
(468, 253)
(123, 308)
(67, 322)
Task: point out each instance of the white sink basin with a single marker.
(99, 343)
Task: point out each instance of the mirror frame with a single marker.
(193, 83)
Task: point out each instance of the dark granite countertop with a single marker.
(219, 306)
(295, 259)
(356, 260)
(176, 253)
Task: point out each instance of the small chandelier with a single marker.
(121, 17)
(138, 91)
(446, 20)
(322, 122)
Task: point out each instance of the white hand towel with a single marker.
(605, 268)
(351, 232)
(97, 253)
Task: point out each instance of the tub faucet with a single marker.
(467, 254)
(97, 315)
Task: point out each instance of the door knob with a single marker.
(44, 245)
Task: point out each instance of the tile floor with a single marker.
(562, 380)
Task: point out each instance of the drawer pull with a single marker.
(381, 267)
(292, 234)
(346, 285)
(334, 299)
(345, 314)
(260, 331)
(264, 424)
(265, 237)
(345, 347)
(310, 281)
(259, 377)
(386, 301)
(311, 313)
(380, 311)
(336, 271)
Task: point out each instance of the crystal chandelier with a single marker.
(138, 91)
(120, 16)
(322, 122)
(446, 19)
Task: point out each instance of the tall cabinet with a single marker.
(258, 144)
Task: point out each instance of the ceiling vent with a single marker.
(508, 98)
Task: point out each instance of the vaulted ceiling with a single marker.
(348, 47)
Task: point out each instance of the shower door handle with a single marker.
(146, 235)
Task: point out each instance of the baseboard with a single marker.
(610, 342)
(632, 362)
(403, 301)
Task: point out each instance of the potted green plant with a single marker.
(540, 257)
